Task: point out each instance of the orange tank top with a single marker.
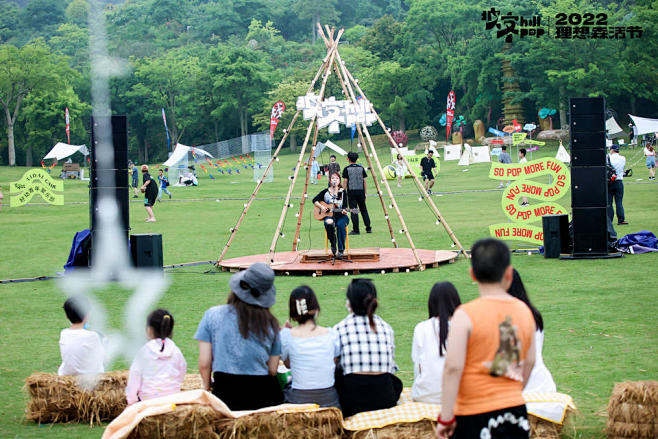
(502, 331)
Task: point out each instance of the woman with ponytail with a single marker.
(159, 367)
(367, 354)
(429, 343)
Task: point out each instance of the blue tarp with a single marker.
(641, 242)
(79, 255)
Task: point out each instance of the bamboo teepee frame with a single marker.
(333, 62)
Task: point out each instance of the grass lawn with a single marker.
(599, 314)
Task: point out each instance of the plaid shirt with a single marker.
(363, 350)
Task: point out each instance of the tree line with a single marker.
(216, 67)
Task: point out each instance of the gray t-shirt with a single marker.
(355, 175)
(232, 353)
(504, 157)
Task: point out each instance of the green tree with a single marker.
(9, 20)
(318, 11)
(397, 93)
(71, 41)
(241, 77)
(77, 11)
(22, 72)
(41, 17)
(383, 38)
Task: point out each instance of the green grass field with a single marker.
(599, 314)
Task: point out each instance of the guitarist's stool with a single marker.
(347, 242)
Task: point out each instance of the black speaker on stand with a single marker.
(100, 181)
(589, 185)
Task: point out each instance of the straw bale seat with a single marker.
(633, 410)
(55, 398)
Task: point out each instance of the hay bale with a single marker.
(198, 421)
(424, 429)
(633, 410)
(55, 398)
(192, 421)
(542, 429)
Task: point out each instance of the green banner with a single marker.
(36, 182)
(518, 138)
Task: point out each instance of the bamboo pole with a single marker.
(415, 177)
(351, 97)
(330, 57)
(373, 151)
(286, 132)
(309, 167)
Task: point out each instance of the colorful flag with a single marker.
(164, 119)
(277, 110)
(450, 112)
(353, 131)
(68, 128)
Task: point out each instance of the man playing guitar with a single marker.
(335, 199)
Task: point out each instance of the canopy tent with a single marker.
(62, 150)
(613, 129)
(179, 161)
(645, 125)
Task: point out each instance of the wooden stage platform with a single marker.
(364, 260)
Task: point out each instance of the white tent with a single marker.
(645, 125)
(180, 159)
(613, 128)
(62, 150)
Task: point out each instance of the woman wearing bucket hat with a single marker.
(367, 354)
(239, 343)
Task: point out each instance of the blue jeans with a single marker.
(335, 228)
(616, 191)
(161, 190)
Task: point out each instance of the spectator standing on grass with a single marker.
(616, 187)
(540, 379)
(150, 190)
(429, 343)
(135, 177)
(650, 155)
(333, 167)
(367, 354)
(239, 343)
(159, 367)
(490, 355)
(523, 159)
(310, 352)
(164, 184)
(505, 158)
(354, 180)
(426, 166)
(400, 169)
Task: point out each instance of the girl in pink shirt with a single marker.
(159, 367)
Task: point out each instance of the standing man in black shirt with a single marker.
(426, 165)
(150, 190)
(354, 180)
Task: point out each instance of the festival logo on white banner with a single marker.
(333, 113)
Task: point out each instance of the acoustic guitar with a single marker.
(320, 214)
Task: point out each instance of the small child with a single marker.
(315, 170)
(82, 350)
(159, 367)
(164, 184)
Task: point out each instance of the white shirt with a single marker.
(540, 379)
(312, 363)
(648, 153)
(523, 160)
(428, 365)
(82, 352)
(619, 163)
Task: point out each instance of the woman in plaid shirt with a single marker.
(367, 354)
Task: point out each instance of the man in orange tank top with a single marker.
(490, 355)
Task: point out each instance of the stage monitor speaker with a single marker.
(590, 231)
(589, 187)
(588, 157)
(146, 250)
(556, 235)
(587, 123)
(589, 140)
(119, 140)
(122, 197)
